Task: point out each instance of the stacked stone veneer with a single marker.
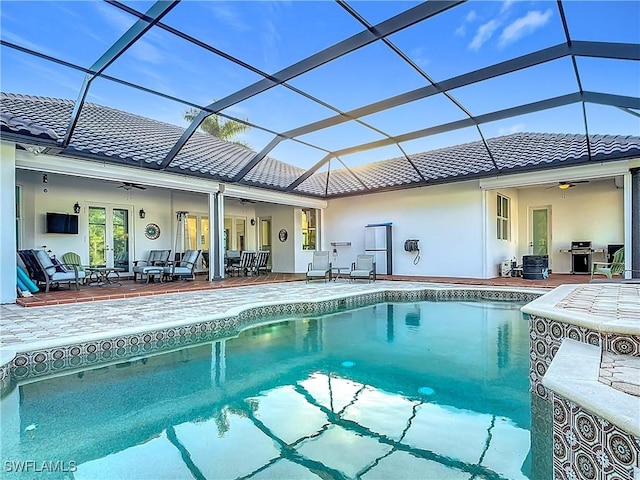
(119, 348)
(585, 446)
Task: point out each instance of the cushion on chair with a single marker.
(46, 262)
(59, 267)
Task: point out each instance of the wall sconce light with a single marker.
(253, 222)
(76, 208)
(142, 213)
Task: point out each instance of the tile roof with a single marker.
(117, 136)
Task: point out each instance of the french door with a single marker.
(109, 236)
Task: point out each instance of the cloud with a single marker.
(518, 127)
(118, 20)
(523, 26)
(419, 55)
(506, 5)
(229, 15)
(484, 33)
(461, 31)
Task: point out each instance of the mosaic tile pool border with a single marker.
(32, 364)
(546, 335)
(586, 446)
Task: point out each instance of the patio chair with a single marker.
(156, 258)
(609, 269)
(72, 258)
(319, 267)
(184, 268)
(246, 263)
(261, 262)
(364, 267)
(44, 269)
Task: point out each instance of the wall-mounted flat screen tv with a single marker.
(62, 223)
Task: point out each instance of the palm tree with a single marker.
(216, 126)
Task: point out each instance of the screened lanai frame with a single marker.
(366, 27)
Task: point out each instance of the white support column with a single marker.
(8, 246)
(628, 201)
(485, 220)
(216, 235)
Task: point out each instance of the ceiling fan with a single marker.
(566, 185)
(129, 186)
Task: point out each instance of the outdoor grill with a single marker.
(581, 257)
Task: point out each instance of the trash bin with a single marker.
(535, 267)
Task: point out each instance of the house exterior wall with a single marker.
(500, 250)
(446, 219)
(283, 253)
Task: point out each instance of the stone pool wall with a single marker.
(586, 445)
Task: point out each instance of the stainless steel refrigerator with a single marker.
(377, 242)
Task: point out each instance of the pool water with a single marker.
(426, 390)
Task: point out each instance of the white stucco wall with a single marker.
(446, 219)
(282, 253)
(501, 250)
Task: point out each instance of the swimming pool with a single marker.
(395, 390)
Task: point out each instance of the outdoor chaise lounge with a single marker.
(319, 267)
(183, 268)
(156, 258)
(43, 269)
(364, 267)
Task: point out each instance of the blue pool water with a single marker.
(426, 390)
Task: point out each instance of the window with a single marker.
(503, 217)
(309, 228)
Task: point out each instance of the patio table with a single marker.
(103, 276)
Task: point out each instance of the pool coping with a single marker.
(124, 342)
(547, 306)
(574, 374)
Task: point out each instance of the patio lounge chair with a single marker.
(613, 271)
(183, 268)
(364, 267)
(609, 269)
(246, 263)
(261, 262)
(156, 258)
(43, 269)
(319, 267)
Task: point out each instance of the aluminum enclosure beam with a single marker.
(589, 97)
(137, 30)
(388, 27)
(618, 51)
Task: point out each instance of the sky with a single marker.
(271, 36)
